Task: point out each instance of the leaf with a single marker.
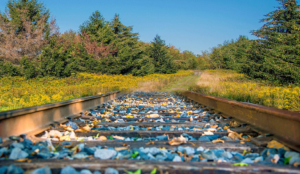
(275, 144)
(139, 171)
(135, 153)
(296, 164)
(245, 152)
(177, 141)
(218, 141)
(287, 160)
(103, 138)
(153, 171)
(111, 138)
(120, 148)
(151, 142)
(118, 137)
(23, 160)
(97, 136)
(240, 164)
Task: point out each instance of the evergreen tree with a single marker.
(92, 26)
(279, 58)
(162, 61)
(35, 11)
(128, 52)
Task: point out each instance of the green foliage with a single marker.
(240, 164)
(128, 51)
(55, 60)
(279, 58)
(163, 62)
(8, 69)
(139, 171)
(232, 55)
(99, 47)
(153, 171)
(274, 57)
(34, 9)
(29, 68)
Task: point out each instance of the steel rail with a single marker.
(285, 125)
(33, 119)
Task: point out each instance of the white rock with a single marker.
(105, 153)
(177, 159)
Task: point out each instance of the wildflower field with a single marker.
(232, 85)
(16, 92)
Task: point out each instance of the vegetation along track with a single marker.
(149, 133)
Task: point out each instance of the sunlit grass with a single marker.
(232, 85)
(16, 92)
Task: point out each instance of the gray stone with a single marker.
(97, 172)
(17, 153)
(105, 153)
(3, 169)
(200, 149)
(252, 156)
(209, 155)
(162, 138)
(27, 143)
(12, 169)
(17, 145)
(44, 170)
(259, 159)
(294, 160)
(160, 158)
(204, 138)
(79, 156)
(218, 152)
(223, 124)
(3, 151)
(85, 171)
(237, 156)
(151, 157)
(73, 125)
(111, 171)
(144, 150)
(68, 170)
(189, 150)
(227, 155)
(177, 159)
(247, 160)
(291, 154)
(154, 150)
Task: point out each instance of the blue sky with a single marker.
(194, 25)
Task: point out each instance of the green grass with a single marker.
(182, 84)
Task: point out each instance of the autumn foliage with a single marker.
(25, 43)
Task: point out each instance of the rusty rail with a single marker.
(20, 121)
(285, 125)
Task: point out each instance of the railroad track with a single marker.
(117, 133)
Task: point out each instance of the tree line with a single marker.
(274, 56)
(32, 46)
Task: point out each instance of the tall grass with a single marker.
(16, 92)
(232, 85)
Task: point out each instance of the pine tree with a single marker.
(94, 26)
(279, 58)
(24, 30)
(162, 61)
(128, 52)
(34, 12)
